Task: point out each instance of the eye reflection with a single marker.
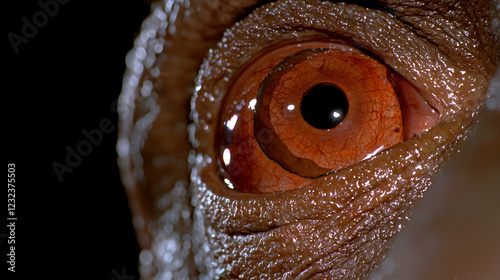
(226, 157)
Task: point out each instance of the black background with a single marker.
(64, 80)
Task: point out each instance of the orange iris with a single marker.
(305, 110)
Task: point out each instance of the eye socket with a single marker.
(307, 109)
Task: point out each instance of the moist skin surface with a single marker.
(191, 225)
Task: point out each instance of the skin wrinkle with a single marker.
(363, 205)
(461, 39)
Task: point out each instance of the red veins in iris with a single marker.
(302, 111)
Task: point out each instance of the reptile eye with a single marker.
(308, 109)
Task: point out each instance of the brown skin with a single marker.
(190, 224)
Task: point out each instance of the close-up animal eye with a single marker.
(291, 139)
(308, 109)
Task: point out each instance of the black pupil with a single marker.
(324, 106)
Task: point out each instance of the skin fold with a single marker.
(191, 225)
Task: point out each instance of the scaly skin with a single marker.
(190, 225)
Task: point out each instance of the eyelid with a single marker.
(255, 34)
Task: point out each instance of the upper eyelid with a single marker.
(431, 75)
(427, 70)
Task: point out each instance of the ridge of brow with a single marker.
(370, 4)
(250, 9)
(379, 5)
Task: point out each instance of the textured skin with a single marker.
(338, 227)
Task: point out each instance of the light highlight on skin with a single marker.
(364, 202)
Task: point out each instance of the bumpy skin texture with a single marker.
(191, 225)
